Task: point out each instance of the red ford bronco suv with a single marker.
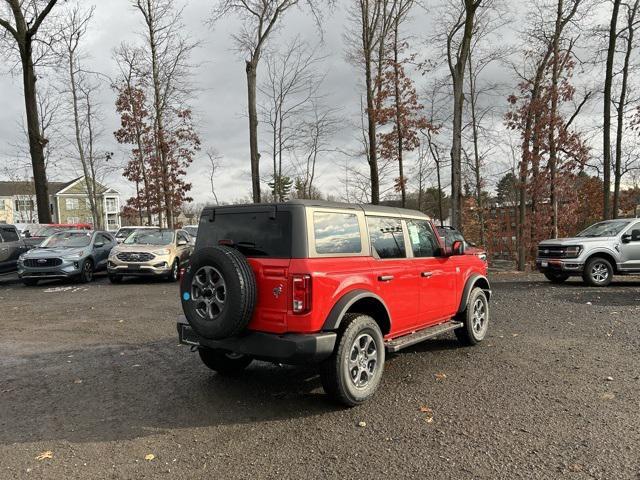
(327, 283)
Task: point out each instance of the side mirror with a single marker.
(98, 245)
(27, 234)
(457, 248)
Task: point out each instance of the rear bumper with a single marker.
(568, 266)
(290, 348)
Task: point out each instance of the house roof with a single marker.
(9, 189)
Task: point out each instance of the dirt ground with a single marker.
(94, 375)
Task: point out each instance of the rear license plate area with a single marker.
(188, 336)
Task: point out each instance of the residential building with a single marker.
(68, 203)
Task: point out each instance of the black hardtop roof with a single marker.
(367, 208)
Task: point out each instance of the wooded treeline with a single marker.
(467, 107)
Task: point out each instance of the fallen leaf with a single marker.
(609, 379)
(149, 456)
(608, 396)
(45, 455)
(428, 414)
(362, 424)
(441, 376)
(77, 380)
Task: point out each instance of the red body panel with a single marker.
(414, 301)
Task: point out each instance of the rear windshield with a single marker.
(255, 234)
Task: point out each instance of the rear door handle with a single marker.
(385, 278)
(427, 274)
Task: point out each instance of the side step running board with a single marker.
(417, 337)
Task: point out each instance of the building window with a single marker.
(72, 203)
(24, 205)
(112, 205)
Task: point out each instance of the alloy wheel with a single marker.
(479, 320)
(209, 292)
(599, 272)
(363, 360)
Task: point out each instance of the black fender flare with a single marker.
(472, 281)
(342, 306)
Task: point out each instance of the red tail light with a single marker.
(301, 289)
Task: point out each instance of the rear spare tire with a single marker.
(218, 292)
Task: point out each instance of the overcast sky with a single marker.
(220, 100)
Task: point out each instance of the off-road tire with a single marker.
(590, 276)
(335, 372)
(469, 334)
(239, 293)
(86, 275)
(556, 277)
(223, 362)
(30, 282)
(115, 279)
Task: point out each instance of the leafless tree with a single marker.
(81, 90)
(290, 88)
(458, 43)
(167, 52)
(260, 19)
(215, 159)
(21, 22)
(622, 104)
(608, 85)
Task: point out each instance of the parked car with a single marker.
(449, 235)
(151, 252)
(192, 230)
(337, 285)
(33, 238)
(596, 254)
(75, 254)
(124, 232)
(11, 247)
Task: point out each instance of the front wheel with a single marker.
(353, 372)
(223, 362)
(598, 272)
(475, 319)
(174, 274)
(87, 272)
(556, 277)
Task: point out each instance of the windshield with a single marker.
(150, 237)
(67, 240)
(193, 231)
(45, 231)
(605, 229)
(124, 232)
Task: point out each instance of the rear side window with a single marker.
(255, 234)
(423, 240)
(336, 233)
(9, 235)
(386, 236)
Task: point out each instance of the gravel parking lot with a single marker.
(94, 375)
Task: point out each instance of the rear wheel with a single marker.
(353, 372)
(475, 319)
(598, 272)
(30, 282)
(224, 362)
(556, 277)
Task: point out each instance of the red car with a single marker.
(36, 236)
(328, 283)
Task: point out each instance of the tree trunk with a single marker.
(371, 132)
(36, 142)
(621, 106)
(474, 124)
(457, 76)
(608, 85)
(398, 100)
(553, 148)
(251, 70)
